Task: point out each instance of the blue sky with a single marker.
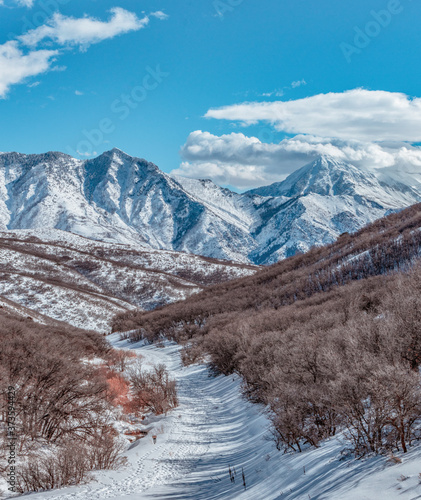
(207, 54)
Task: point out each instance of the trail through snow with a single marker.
(214, 429)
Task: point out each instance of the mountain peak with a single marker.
(119, 152)
(112, 153)
(108, 157)
(325, 176)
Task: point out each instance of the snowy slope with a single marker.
(233, 207)
(329, 177)
(120, 199)
(61, 276)
(214, 429)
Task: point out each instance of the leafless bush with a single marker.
(105, 451)
(59, 398)
(381, 408)
(153, 390)
(118, 359)
(191, 354)
(69, 466)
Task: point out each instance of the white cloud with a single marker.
(84, 31)
(276, 93)
(15, 66)
(353, 115)
(21, 3)
(78, 92)
(89, 155)
(246, 162)
(298, 83)
(159, 15)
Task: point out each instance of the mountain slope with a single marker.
(390, 244)
(52, 275)
(121, 199)
(327, 176)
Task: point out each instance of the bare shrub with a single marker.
(380, 408)
(67, 467)
(60, 398)
(191, 354)
(105, 451)
(153, 390)
(119, 359)
(71, 464)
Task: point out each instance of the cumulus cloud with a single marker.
(245, 162)
(16, 66)
(353, 115)
(84, 31)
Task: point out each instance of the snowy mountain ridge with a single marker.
(117, 198)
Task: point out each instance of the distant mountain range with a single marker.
(116, 198)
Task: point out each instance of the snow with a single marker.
(235, 208)
(213, 429)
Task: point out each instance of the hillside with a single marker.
(53, 275)
(387, 245)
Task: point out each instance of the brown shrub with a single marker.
(153, 390)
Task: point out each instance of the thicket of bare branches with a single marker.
(332, 363)
(42, 471)
(59, 398)
(71, 463)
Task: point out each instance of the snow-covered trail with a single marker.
(214, 428)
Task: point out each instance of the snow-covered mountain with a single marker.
(318, 202)
(121, 199)
(113, 198)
